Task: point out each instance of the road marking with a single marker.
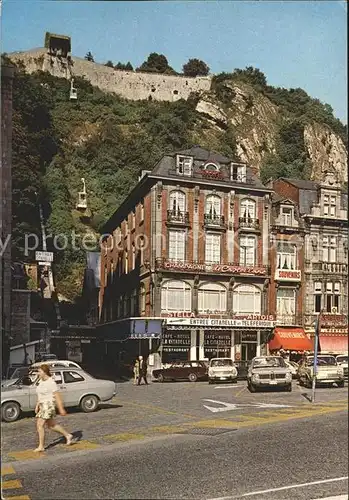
(236, 406)
(81, 445)
(20, 497)
(7, 470)
(125, 436)
(26, 455)
(159, 410)
(228, 386)
(340, 497)
(283, 488)
(11, 485)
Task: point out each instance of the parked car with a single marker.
(269, 371)
(342, 360)
(222, 369)
(293, 368)
(14, 374)
(56, 363)
(328, 372)
(182, 370)
(78, 389)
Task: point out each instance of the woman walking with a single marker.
(48, 397)
(136, 372)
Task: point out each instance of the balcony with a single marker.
(177, 217)
(288, 320)
(249, 223)
(330, 267)
(208, 268)
(214, 221)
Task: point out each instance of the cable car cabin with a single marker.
(73, 92)
(82, 202)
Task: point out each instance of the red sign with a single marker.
(212, 174)
(214, 268)
(184, 266)
(333, 319)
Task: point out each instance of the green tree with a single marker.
(125, 67)
(156, 63)
(251, 75)
(89, 57)
(195, 67)
(109, 64)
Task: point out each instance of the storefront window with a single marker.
(247, 300)
(176, 346)
(175, 296)
(217, 344)
(212, 297)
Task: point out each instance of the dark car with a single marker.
(182, 370)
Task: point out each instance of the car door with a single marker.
(185, 370)
(75, 387)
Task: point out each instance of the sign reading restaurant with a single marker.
(237, 321)
(212, 268)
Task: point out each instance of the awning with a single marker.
(334, 344)
(292, 339)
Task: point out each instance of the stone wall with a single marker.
(128, 84)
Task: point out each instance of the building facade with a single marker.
(323, 211)
(189, 248)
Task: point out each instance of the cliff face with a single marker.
(253, 117)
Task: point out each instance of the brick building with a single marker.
(185, 261)
(323, 211)
(7, 74)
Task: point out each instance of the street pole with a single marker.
(314, 369)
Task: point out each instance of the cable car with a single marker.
(73, 91)
(82, 200)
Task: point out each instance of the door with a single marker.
(74, 387)
(248, 351)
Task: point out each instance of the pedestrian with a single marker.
(45, 411)
(142, 371)
(136, 372)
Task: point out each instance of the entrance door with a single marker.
(248, 351)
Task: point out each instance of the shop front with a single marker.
(290, 341)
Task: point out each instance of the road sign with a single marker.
(44, 256)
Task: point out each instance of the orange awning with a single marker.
(334, 344)
(291, 339)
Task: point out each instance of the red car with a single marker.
(183, 370)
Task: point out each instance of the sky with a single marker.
(294, 43)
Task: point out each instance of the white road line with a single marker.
(283, 488)
(340, 497)
(229, 386)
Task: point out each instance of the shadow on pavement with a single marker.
(77, 436)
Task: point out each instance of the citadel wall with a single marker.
(128, 84)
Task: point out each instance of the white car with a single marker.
(342, 361)
(222, 369)
(56, 363)
(293, 368)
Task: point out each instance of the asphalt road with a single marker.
(187, 440)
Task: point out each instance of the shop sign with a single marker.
(249, 337)
(290, 335)
(174, 339)
(217, 339)
(333, 319)
(213, 268)
(285, 275)
(237, 321)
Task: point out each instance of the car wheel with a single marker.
(89, 404)
(289, 388)
(10, 411)
(252, 388)
(193, 377)
(340, 384)
(160, 378)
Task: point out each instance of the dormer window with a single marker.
(286, 216)
(238, 172)
(211, 166)
(184, 165)
(329, 206)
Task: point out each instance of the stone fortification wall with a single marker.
(128, 84)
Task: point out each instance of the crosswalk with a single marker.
(10, 487)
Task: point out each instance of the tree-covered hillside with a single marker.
(107, 140)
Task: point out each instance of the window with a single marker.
(286, 216)
(212, 297)
(142, 211)
(329, 246)
(176, 251)
(213, 248)
(247, 250)
(184, 165)
(177, 202)
(175, 296)
(141, 250)
(247, 300)
(286, 302)
(332, 297)
(133, 256)
(329, 205)
(126, 261)
(213, 206)
(70, 377)
(142, 297)
(57, 377)
(248, 209)
(317, 296)
(133, 305)
(211, 166)
(238, 172)
(286, 256)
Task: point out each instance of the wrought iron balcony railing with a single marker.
(248, 222)
(330, 267)
(289, 319)
(214, 220)
(177, 216)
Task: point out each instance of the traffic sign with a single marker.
(44, 256)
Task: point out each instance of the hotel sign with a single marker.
(288, 275)
(237, 322)
(213, 268)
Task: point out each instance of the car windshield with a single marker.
(342, 359)
(221, 362)
(269, 362)
(322, 361)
